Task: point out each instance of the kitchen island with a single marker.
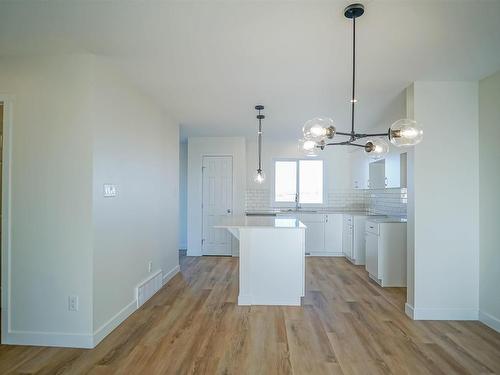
(272, 259)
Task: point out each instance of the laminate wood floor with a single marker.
(347, 325)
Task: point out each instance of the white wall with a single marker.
(336, 163)
(183, 160)
(445, 211)
(77, 124)
(204, 146)
(136, 147)
(489, 203)
(51, 201)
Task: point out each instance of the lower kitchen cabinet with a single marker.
(323, 233)
(386, 253)
(353, 238)
(333, 234)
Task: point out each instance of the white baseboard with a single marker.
(444, 314)
(66, 340)
(324, 254)
(409, 310)
(114, 322)
(489, 320)
(124, 313)
(168, 275)
(76, 340)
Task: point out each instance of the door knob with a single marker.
(228, 210)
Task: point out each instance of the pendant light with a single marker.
(259, 176)
(316, 132)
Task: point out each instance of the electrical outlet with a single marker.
(150, 266)
(73, 303)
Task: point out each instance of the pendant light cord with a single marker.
(260, 143)
(353, 99)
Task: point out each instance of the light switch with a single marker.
(110, 190)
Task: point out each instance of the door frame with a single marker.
(202, 186)
(8, 106)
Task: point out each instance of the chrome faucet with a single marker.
(297, 204)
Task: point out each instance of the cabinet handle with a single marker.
(386, 183)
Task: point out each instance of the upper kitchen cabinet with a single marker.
(377, 176)
(395, 170)
(359, 170)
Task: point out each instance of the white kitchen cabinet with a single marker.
(333, 234)
(359, 170)
(376, 170)
(395, 170)
(353, 238)
(372, 255)
(315, 232)
(347, 236)
(386, 252)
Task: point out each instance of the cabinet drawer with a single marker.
(372, 228)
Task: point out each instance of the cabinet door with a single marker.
(372, 254)
(393, 170)
(359, 170)
(347, 240)
(315, 236)
(377, 174)
(333, 233)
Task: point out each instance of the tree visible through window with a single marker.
(298, 178)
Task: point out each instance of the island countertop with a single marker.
(261, 222)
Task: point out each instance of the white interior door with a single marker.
(217, 203)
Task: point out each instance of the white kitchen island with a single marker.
(272, 259)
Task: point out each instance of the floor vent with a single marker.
(148, 288)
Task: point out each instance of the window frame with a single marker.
(297, 184)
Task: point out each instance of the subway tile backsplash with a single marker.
(391, 202)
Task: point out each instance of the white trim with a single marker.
(8, 105)
(409, 310)
(111, 324)
(170, 274)
(444, 314)
(66, 340)
(489, 320)
(325, 254)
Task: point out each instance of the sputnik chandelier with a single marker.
(319, 130)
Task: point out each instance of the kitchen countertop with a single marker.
(261, 222)
(319, 210)
(375, 218)
(387, 219)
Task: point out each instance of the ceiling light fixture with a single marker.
(404, 132)
(259, 176)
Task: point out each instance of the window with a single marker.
(285, 181)
(302, 178)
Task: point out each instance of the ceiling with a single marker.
(207, 63)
